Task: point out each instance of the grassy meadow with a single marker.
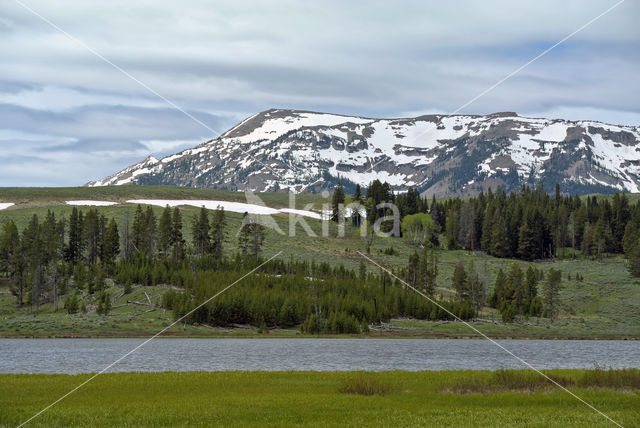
(605, 304)
(460, 398)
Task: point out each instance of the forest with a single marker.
(72, 260)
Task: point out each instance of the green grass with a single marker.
(39, 196)
(530, 381)
(606, 304)
(365, 384)
(302, 399)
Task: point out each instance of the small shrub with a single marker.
(72, 304)
(127, 286)
(611, 378)
(104, 303)
(365, 384)
(263, 329)
(530, 381)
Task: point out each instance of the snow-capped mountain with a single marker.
(438, 154)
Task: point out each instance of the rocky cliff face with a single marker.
(444, 155)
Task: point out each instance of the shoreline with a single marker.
(329, 336)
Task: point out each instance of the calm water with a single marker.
(91, 355)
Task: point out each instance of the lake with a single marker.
(92, 355)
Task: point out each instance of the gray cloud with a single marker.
(233, 59)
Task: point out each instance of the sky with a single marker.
(111, 84)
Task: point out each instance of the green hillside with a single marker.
(605, 302)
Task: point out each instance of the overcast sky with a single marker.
(67, 116)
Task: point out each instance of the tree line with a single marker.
(51, 255)
(526, 225)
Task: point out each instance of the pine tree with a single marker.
(74, 250)
(243, 235)
(217, 233)
(527, 245)
(12, 259)
(551, 291)
(413, 270)
(165, 232)
(256, 236)
(477, 289)
(499, 239)
(138, 231)
(201, 229)
(499, 290)
(356, 216)
(337, 201)
(428, 271)
(515, 288)
(34, 250)
(633, 258)
(150, 229)
(357, 195)
(177, 240)
(104, 304)
(459, 282)
(91, 233)
(412, 201)
(111, 243)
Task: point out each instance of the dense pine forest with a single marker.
(70, 261)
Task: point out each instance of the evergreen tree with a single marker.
(177, 240)
(200, 231)
(413, 270)
(111, 243)
(357, 195)
(138, 231)
(515, 288)
(466, 230)
(477, 289)
(34, 250)
(243, 235)
(104, 303)
(428, 271)
(91, 233)
(150, 229)
(251, 237)
(499, 239)
(452, 230)
(551, 291)
(356, 216)
(165, 232)
(12, 259)
(217, 232)
(499, 290)
(527, 245)
(459, 282)
(412, 201)
(633, 258)
(337, 201)
(74, 250)
(256, 236)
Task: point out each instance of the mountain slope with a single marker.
(442, 155)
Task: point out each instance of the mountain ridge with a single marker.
(445, 155)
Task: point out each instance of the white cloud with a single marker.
(54, 98)
(615, 117)
(162, 147)
(227, 60)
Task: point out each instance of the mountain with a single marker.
(456, 155)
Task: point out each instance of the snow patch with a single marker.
(91, 203)
(304, 213)
(5, 205)
(235, 207)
